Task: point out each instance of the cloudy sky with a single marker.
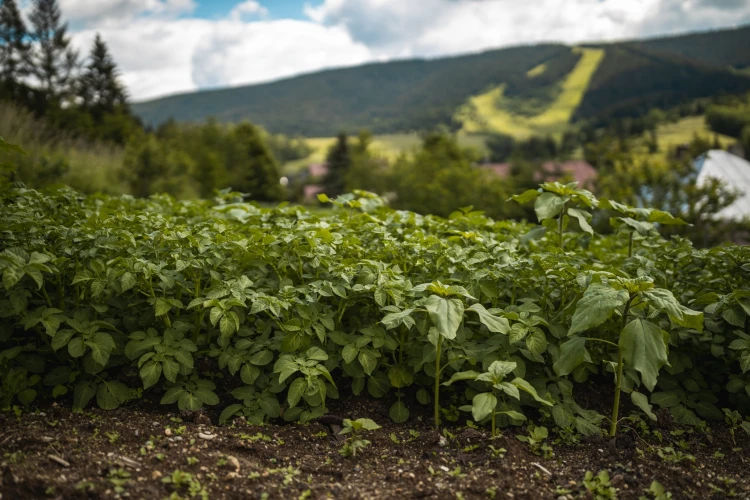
(171, 46)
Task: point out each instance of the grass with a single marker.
(486, 112)
(388, 146)
(674, 134)
(89, 167)
(537, 71)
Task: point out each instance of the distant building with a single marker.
(315, 173)
(734, 172)
(549, 171)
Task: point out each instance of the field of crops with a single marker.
(274, 314)
(287, 308)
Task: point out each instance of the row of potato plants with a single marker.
(106, 298)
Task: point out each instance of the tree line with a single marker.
(40, 70)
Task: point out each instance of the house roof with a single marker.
(318, 169)
(734, 172)
(580, 171)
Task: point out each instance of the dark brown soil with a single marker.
(131, 451)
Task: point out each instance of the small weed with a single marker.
(119, 479)
(257, 437)
(599, 486)
(112, 437)
(355, 442)
(192, 460)
(669, 454)
(536, 440)
(656, 492)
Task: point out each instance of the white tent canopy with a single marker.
(734, 172)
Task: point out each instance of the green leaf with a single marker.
(368, 360)
(643, 348)
(188, 401)
(666, 399)
(127, 281)
(82, 394)
(526, 196)
(596, 306)
(76, 347)
(367, 424)
(536, 342)
(583, 219)
(399, 412)
(61, 339)
(400, 376)
(378, 385)
(467, 375)
(150, 373)
(316, 354)
(297, 389)
(495, 324)
(349, 353)
(111, 394)
(423, 397)
(528, 388)
(482, 405)
(572, 355)
(11, 148)
(11, 276)
(261, 358)
(172, 395)
(229, 412)
(641, 401)
(548, 206)
(445, 314)
(161, 306)
(171, 369)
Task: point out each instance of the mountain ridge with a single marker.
(422, 93)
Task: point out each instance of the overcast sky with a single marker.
(170, 46)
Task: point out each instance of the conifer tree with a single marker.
(339, 163)
(54, 61)
(100, 88)
(14, 47)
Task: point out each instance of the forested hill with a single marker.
(420, 94)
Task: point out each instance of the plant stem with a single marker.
(618, 381)
(437, 382)
(560, 227)
(630, 244)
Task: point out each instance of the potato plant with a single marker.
(268, 313)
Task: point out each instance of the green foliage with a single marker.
(355, 442)
(287, 307)
(447, 179)
(599, 486)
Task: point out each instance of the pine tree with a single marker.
(100, 88)
(14, 47)
(339, 162)
(54, 61)
(251, 166)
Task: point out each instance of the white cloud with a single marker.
(119, 12)
(247, 8)
(158, 58)
(234, 53)
(160, 51)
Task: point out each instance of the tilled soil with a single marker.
(134, 452)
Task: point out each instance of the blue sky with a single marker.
(277, 9)
(171, 46)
